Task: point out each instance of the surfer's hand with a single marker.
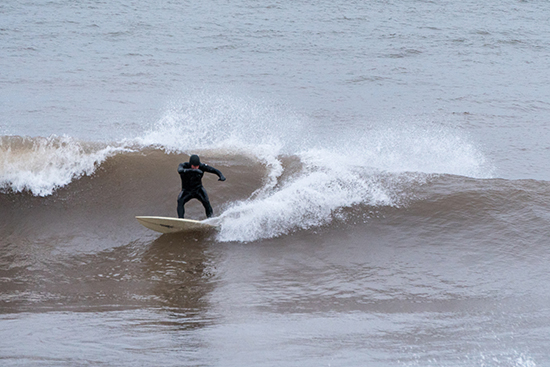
(222, 178)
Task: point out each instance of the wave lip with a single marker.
(43, 164)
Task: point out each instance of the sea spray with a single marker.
(427, 149)
(222, 124)
(208, 120)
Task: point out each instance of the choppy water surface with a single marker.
(387, 194)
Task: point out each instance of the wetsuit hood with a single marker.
(194, 160)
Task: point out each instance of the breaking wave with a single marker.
(302, 182)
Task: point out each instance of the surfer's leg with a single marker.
(181, 210)
(203, 198)
(182, 199)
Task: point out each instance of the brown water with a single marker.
(387, 194)
(456, 273)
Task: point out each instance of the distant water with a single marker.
(387, 197)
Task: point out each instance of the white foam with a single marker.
(310, 199)
(42, 165)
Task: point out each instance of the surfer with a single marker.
(191, 184)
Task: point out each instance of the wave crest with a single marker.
(43, 164)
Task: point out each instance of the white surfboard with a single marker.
(173, 225)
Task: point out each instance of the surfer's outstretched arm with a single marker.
(213, 170)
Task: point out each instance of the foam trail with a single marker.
(42, 165)
(310, 200)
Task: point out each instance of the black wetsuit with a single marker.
(191, 186)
